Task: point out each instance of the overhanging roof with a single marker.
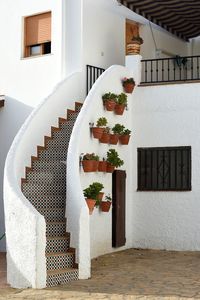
(180, 17)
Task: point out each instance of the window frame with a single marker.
(27, 48)
(141, 188)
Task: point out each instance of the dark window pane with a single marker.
(47, 48)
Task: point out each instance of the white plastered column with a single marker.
(133, 63)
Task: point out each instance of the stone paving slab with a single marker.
(130, 274)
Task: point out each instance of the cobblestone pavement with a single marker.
(130, 274)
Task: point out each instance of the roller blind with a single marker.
(38, 29)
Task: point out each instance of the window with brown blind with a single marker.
(37, 34)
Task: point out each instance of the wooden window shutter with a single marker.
(38, 29)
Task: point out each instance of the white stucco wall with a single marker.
(103, 34)
(24, 81)
(101, 223)
(195, 46)
(169, 44)
(167, 115)
(28, 79)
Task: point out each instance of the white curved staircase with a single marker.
(40, 251)
(45, 187)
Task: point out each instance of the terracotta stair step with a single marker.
(60, 260)
(48, 201)
(57, 244)
(48, 176)
(30, 188)
(56, 165)
(71, 115)
(78, 106)
(61, 276)
(53, 215)
(51, 154)
(59, 253)
(55, 228)
(57, 144)
(61, 271)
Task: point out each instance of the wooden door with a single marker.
(118, 208)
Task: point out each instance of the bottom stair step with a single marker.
(61, 276)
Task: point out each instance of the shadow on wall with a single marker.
(12, 116)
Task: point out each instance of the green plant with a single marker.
(93, 190)
(122, 99)
(108, 198)
(180, 61)
(113, 158)
(106, 130)
(101, 122)
(126, 80)
(90, 156)
(126, 132)
(109, 96)
(118, 129)
(138, 39)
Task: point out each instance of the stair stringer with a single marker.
(25, 226)
(78, 219)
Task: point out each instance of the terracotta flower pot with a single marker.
(90, 165)
(105, 138)
(100, 196)
(133, 48)
(91, 204)
(119, 109)
(97, 132)
(124, 139)
(114, 138)
(110, 168)
(102, 166)
(109, 104)
(105, 206)
(95, 165)
(129, 87)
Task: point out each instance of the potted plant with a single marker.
(128, 84)
(90, 198)
(121, 104)
(134, 46)
(125, 136)
(102, 167)
(109, 101)
(98, 187)
(98, 130)
(113, 160)
(90, 162)
(105, 205)
(117, 130)
(105, 138)
(91, 194)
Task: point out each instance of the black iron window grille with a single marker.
(164, 169)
